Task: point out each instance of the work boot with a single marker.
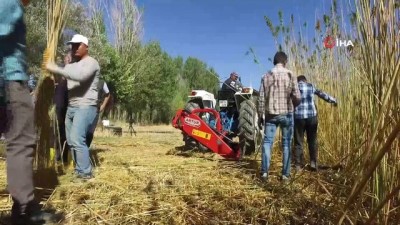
(313, 166)
(264, 177)
(35, 218)
(285, 179)
(33, 215)
(79, 178)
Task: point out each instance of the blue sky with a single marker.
(219, 32)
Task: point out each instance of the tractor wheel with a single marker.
(248, 128)
(202, 147)
(190, 143)
(191, 105)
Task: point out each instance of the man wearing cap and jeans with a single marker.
(83, 78)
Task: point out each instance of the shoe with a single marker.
(264, 177)
(299, 168)
(313, 167)
(35, 218)
(79, 178)
(285, 179)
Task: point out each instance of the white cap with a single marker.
(77, 38)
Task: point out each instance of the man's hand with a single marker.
(67, 59)
(52, 67)
(260, 121)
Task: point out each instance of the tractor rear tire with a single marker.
(248, 126)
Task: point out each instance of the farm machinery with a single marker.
(227, 126)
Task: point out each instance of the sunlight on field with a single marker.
(145, 179)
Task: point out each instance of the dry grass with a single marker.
(144, 179)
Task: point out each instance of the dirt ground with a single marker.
(147, 179)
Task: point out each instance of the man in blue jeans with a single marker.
(278, 94)
(82, 80)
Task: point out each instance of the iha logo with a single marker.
(330, 42)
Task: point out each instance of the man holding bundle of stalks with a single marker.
(83, 78)
(17, 119)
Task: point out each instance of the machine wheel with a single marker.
(248, 128)
(202, 147)
(191, 105)
(190, 143)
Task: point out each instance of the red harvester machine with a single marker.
(214, 139)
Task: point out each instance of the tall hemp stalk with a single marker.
(362, 133)
(378, 32)
(56, 10)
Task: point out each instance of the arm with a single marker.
(296, 95)
(261, 98)
(73, 71)
(325, 96)
(106, 99)
(105, 102)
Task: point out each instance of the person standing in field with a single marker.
(61, 103)
(306, 120)
(104, 98)
(83, 78)
(279, 94)
(18, 114)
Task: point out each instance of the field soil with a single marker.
(149, 179)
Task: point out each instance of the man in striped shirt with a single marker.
(306, 120)
(278, 92)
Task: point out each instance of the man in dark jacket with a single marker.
(232, 83)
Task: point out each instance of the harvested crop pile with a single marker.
(146, 180)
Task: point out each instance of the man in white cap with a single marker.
(83, 78)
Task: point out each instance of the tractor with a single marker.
(210, 124)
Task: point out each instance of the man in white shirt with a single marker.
(104, 93)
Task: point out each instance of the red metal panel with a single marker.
(192, 125)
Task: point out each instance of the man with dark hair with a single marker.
(232, 83)
(305, 120)
(17, 111)
(83, 78)
(61, 103)
(278, 93)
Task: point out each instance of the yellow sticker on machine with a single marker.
(201, 134)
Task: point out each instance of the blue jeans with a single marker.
(78, 122)
(285, 122)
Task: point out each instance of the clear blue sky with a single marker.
(219, 32)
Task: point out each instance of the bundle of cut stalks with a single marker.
(55, 23)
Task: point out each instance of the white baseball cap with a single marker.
(77, 38)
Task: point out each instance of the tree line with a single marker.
(147, 83)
